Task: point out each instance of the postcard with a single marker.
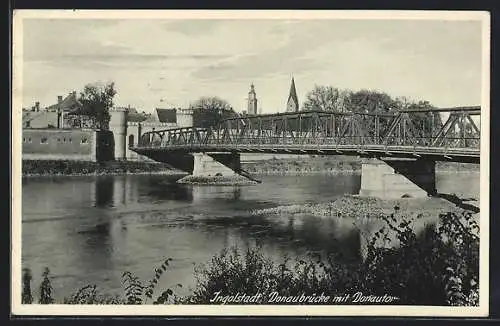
(236, 163)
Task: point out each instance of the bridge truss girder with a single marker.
(311, 129)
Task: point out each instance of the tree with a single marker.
(209, 111)
(426, 123)
(97, 99)
(326, 98)
(366, 101)
(211, 103)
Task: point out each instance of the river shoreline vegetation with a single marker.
(438, 265)
(76, 168)
(274, 166)
(331, 165)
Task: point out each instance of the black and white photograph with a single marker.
(326, 163)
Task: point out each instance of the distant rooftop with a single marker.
(69, 104)
(167, 115)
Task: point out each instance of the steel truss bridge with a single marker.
(401, 134)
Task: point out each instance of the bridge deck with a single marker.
(465, 155)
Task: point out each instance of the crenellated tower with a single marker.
(118, 125)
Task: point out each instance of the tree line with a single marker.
(97, 99)
(329, 98)
(423, 124)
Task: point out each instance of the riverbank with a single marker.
(36, 168)
(331, 165)
(304, 165)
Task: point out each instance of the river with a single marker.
(89, 230)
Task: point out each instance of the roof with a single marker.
(69, 104)
(166, 115)
(41, 119)
(136, 117)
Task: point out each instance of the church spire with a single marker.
(292, 104)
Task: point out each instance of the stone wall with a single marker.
(67, 144)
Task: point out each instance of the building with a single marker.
(161, 120)
(63, 131)
(252, 101)
(292, 104)
(67, 144)
(63, 114)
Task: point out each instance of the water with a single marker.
(89, 230)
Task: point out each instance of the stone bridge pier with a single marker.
(218, 168)
(391, 178)
(216, 164)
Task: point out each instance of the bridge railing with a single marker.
(309, 129)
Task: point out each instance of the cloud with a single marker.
(125, 61)
(55, 38)
(192, 27)
(182, 59)
(282, 57)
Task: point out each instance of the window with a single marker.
(29, 140)
(64, 139)
(84, 140)
(58, 140)
(44, 140)
(70, 140)
(131, 140)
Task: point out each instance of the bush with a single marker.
(135, 290)
(27, 297)
(440, 266)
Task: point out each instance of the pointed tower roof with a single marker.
(293, 92)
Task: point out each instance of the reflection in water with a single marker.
(104, 191)
(92, 229)
(158, 189)
(213, 193)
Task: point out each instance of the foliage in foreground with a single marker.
(440, 266)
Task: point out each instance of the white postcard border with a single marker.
(245, 310)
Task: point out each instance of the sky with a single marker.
(170, 63)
